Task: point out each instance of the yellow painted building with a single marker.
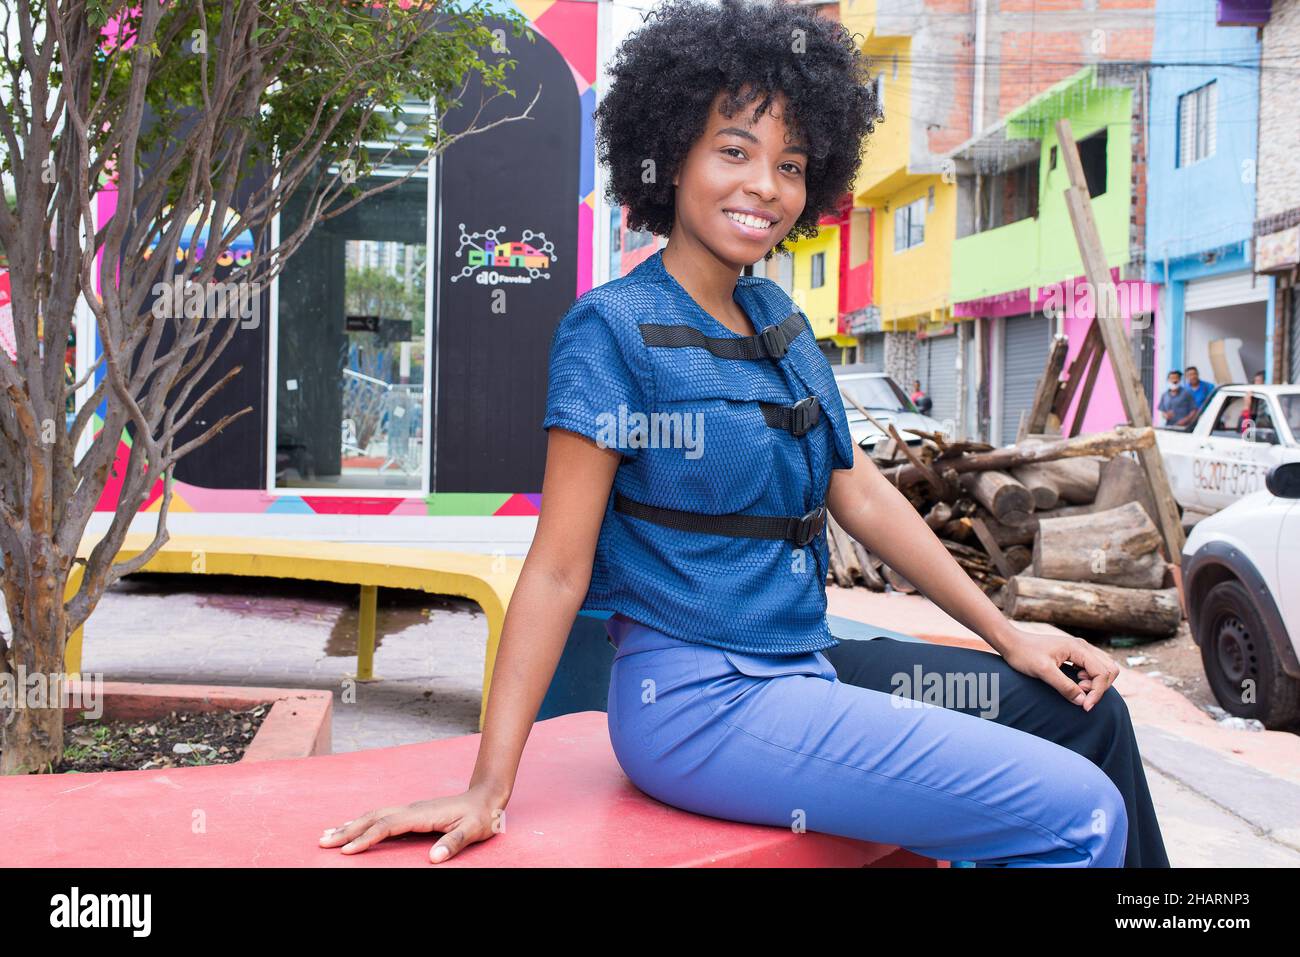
(815, 285)
(915, 212)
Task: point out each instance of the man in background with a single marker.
(1197, 387)
(1176, 407)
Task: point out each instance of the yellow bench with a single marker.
(488, 580)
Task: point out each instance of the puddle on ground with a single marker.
(398, 610)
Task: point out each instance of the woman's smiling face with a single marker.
(742, 185)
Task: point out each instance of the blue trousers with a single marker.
(781, 741)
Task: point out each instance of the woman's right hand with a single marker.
(463, 818)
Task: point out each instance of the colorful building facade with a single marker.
(1204, 113)
(1016, 264)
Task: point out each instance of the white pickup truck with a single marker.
(1241, 432)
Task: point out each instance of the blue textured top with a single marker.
(693, 437)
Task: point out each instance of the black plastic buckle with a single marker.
(774, 343)
(804, 415)
(809, 526)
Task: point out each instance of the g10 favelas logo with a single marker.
(492, 261)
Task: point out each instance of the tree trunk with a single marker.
(1041, 485)
(1074, 480)
(31, 738)
(1123, 480)
(1018, 558)
(1023, 534)
(1008, 501)
(842, 559)
(1105, 444)
(1120, 546)
(870, 567)
(1085, 605)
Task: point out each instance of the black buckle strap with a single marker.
(800, 529)
(805, 528)
(772, 343)
(797, 418)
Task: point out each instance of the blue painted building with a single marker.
(1215, 312)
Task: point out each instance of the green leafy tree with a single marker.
(376, 292)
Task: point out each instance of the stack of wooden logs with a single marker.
(1052, 529)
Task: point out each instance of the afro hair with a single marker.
(667, 73)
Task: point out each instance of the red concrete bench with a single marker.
(572, 807)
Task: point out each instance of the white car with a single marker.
(888, 404)
(1242, 431)
(1241, 582)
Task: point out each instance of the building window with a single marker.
(909, 225)
(880, 96)
(818, 271)
(1008, 197)
(1092, 156)
(1196, 124)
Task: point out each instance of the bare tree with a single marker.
(188, 108)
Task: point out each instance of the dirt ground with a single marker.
(174, 740)
(1176, 661)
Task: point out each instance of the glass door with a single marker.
(349, 368)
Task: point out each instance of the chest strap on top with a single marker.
(797, 418)
(800, 529)
(772, 343)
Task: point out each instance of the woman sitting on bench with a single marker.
(696, 442)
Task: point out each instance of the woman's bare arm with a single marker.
(878, 515)
(546, 599)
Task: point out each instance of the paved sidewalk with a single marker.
(238, 631)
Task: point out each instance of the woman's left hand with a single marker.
(1041, 656)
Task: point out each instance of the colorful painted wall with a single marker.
(821, 305)
(570, 27)
(1017, 258)
(907, 291)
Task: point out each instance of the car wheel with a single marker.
(1242, 668)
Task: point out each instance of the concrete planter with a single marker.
(297, 726)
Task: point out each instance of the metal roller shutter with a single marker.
(937, 370)
(873, 351)
(1026, 342)
(1229, 290)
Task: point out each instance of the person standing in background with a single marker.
(1176, 404)
(1197, 387)
(919, 398)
